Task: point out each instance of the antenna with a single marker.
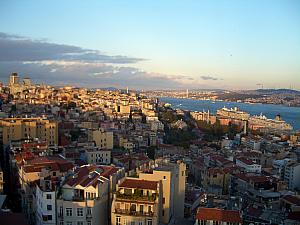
(261, 85)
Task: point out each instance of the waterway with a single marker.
(289, 114)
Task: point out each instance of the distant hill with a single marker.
(110, 89)
(278, 91)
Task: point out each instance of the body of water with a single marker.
(289, 114)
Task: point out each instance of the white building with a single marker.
(45, 203)
(248, 165)
(292, 175)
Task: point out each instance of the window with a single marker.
(118, 220)
(61, 211)
(61, 222)
(49, 196)
(203, 222)
(132, 223)
(140, 222)
(149, 222)
(163, 200)
(79, 211)
(69, 212)
(79, 222)
(141, 208)
(149, 209)
(89, 222)
(89, 211)
(163, 212)
(49, 207)
(49, 217)
(69, 223)
(164, 177)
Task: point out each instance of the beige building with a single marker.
(137, 201)
(85, 196)
(16, 129)
(103, 139)
(98, 156)
(172, 177)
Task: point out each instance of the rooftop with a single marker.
(221, 215)
(139, 184)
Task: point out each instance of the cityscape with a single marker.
(149, 113)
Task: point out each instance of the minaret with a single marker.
(127, 90)
(187, 93)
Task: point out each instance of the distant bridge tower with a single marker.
(127, 90)
(187, 93)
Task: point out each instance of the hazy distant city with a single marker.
(149, 113)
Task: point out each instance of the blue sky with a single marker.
(174, 44)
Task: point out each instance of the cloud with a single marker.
(209, 78)
(58, 64)
(18, 48)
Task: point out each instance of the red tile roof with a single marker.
(140, 184)
(221, 215)
(292, 199)
(246, 161)
(89, 175)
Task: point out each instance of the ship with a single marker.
(233, 113)
(261, 122)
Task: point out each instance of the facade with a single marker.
(248, 165)
(103, 139)
(45, 197)
(137, 201)
(16, 129)
(85, 196)
(172, 177)
(292, 175)
(213, 216)
(98, 156)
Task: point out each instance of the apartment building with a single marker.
(248, 165)
(85, 196)
(15, 129)
(32, 172)
(172, 177)
(102, 138)
(292, 175)
(137, 201)
(45, 196)
(98, 156)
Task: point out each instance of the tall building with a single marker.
(137, 201)
(13, 79)
(17, 129)
(292, 175)
(172, 177)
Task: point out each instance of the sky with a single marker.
(165, 44)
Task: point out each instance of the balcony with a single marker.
(133, 213)
(137, 197)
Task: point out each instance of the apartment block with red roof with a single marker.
(215, 216)
(85, 195)
(137, 201)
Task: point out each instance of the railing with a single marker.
(133, 213)
(150, 198)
